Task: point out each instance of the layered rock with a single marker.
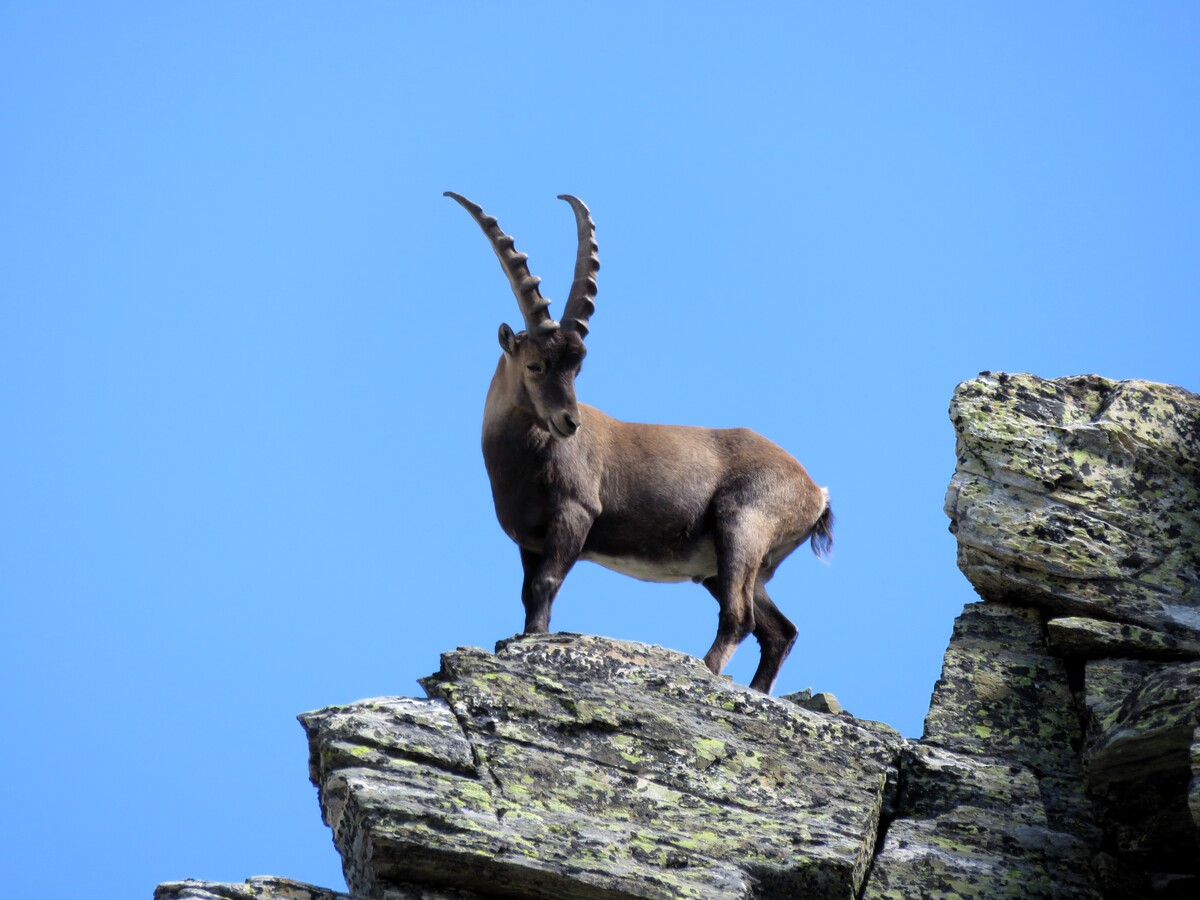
(1139, 759)
(1080, 495)
(1078, 499)
(992, 800)
(263, 888)
(575, 766)
(1060, 757)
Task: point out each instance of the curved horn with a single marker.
(581, 302)
(534, 307)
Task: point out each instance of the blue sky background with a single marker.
(245, 343)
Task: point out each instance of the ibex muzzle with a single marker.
(721, 507)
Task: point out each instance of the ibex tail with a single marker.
(821, 536)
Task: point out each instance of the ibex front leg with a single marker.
(545, 571)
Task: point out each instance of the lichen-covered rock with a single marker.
(1078, 637)
(1139, 763)
(991, 802)
(599, 768)
(1076, 500)
(822, 701)
(261, 888)
(1002, 695)
(406, 766)
(1080, 494)
(974, 827)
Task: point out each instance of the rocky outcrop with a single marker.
(1078, 500)
(251, 889)
(576, 766)
(1061, 753)
(991, 801)
(1080, 495)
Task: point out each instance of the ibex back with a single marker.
(721, 507)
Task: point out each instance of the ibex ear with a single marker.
(508, 340)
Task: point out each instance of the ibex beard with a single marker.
(722, 507)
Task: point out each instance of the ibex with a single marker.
(721, 507)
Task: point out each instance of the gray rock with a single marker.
(260, 888)
(991, 802)
(1139, 762)
(1080, 494)
(1002, 695)
(972, 826)
(1076, 499)
(823, 701)
(1096, 639)
(603, 768)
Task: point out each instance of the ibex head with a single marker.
(541, 361)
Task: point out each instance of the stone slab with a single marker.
(1079, 494)
(600, 768)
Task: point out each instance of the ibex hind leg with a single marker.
(733, 590)
(775, 634)
(741, 543)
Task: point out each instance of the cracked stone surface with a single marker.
(576, 766)
(261, 888)
(1078, 637)
(975, 826)
(991, 801)
(1003, 695)
(1080, 495)
(1139, 760)
(1075, 502)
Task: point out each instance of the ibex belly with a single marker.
(697, 562)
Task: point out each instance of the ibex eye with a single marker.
(535, 368)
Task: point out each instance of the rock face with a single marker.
(1061, 753)
(1077, 501)
(251, 889)
(575, 766)
(991, 801)
(1080, 495)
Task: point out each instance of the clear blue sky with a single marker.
(245, 343)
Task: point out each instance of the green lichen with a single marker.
(709, 750)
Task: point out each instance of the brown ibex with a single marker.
(721, 507)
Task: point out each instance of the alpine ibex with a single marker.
(721, 507)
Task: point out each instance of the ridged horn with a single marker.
(534, 307)
(581, 302)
